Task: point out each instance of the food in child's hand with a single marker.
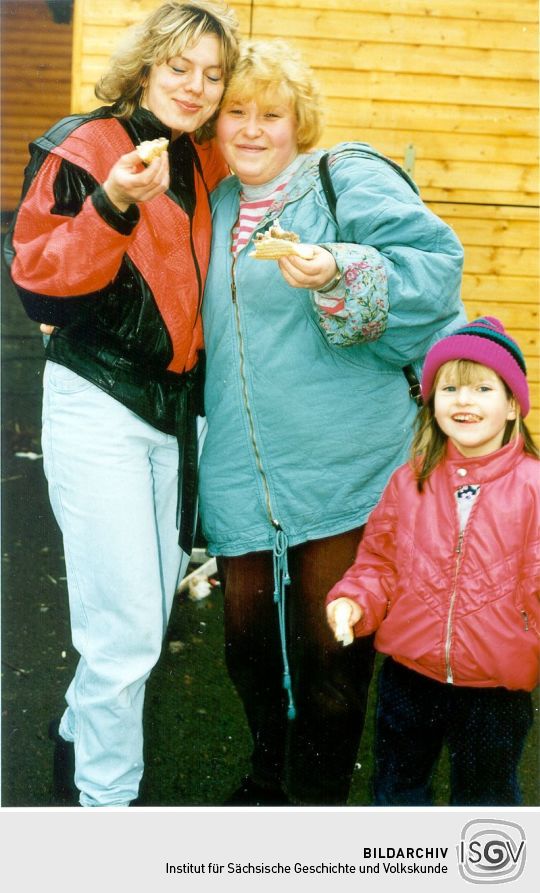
(277, 242)
(150, 149)
(343, 628)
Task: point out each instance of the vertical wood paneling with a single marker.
(36, 84)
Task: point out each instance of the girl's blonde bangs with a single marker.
(462, 372)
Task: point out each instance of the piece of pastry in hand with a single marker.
(150, 149)
(344, 631)
(277, 242)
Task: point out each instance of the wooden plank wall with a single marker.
(454, 79)
(36, 84)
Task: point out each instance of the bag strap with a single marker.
(327, 185)
(415, 392)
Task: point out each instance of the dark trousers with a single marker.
(312, 757)
(483, 728)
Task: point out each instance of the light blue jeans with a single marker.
(113, 489)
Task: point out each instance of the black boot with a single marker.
(249, 793)
(65, 792)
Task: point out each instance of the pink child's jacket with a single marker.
(458, 608)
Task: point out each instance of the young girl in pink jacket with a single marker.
(447, 576)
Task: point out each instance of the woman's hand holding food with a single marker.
(314, 273)
(130, 181)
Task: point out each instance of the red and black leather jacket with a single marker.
(124, 289)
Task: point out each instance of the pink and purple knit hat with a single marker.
(483, 341)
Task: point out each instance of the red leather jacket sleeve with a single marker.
(61, 255)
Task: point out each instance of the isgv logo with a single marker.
(491, 851)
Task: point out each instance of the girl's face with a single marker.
(258, 140)
(185, 91)
(473, 414)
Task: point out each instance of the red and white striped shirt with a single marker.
(255, 202)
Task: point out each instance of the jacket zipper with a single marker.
(247, 407)
(449, 675)
(525, 620)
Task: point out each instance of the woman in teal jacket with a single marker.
(308, 407)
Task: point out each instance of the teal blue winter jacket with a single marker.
(308, 408)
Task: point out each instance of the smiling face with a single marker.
(185, 91)
(473, 413)
(258, 139)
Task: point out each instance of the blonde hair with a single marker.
(270, 70)
(429, 442)
(166, 33)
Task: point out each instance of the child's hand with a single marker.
(342, 614)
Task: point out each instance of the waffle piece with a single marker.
(277, 242)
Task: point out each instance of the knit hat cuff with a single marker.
(481, 350)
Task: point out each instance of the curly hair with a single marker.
(270, 69)
(165, 33)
